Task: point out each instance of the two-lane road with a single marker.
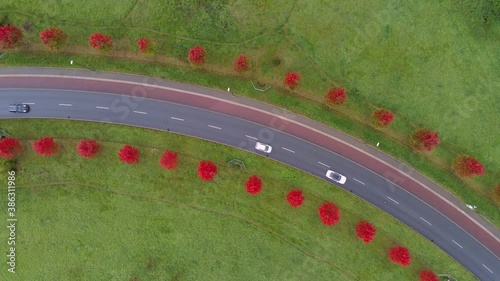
(288, 149)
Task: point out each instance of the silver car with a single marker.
(336, 176)
(263, 147)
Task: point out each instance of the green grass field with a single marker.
(100, 219)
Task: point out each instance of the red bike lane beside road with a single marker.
(271, 117)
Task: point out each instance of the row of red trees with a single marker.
(10, 148)
(328, 212)
(422, 139)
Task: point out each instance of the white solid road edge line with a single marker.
(175, 118)
(288, 149)
(215, 127)
(425, 221)
(392, 200)
(65, 104)
(323, 164)
(457, 243)
(359, 181)
(250, 137)
(102, 107)
(487, 268)
(140, 112)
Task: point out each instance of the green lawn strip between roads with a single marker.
(100, 219)
(435, 64)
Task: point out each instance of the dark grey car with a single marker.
(19, 108)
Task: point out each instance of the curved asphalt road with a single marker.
(286, 148)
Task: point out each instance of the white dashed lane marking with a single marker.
(215, 127)
(250, 137)
(140, 112)
(487, 268)
(65, 104)
(284, 148)
(425, 221)
(457, 244)
(28, 102)
(102, 107)
(392, 200)
(175, 118)
(323, 164)
(359, 181)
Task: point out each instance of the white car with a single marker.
(336, 176)
(263, 147)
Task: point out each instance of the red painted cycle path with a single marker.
(302, 127)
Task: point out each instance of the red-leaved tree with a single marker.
(197, 55)
(101, 42)
(53, 38)
(46, 146)
(10, 148)
(382, 117)
(399, 254)
(88, 148)
(129, 154)
(292, 80)
(240, 63)
(425, 139)
(146, 46)
(253, 185)
(169, 160)
(336, 96)
(428, 275)
(207, 170)
(10, 36)
(467, 166)
(329, 213)
(295, 198)
(365, 231)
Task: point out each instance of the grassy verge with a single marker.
(84, 219)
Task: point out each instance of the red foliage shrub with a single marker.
(101, 42)
(428, 275)
(129, 154)
(292, 80)
(240, 63)
(329, 213)
(169, 160)
(496, 194)
(207, 170)
(399, 254)
(46, 146)
(254, 185)
(197, 55)
(54, 38)
(365, 231)
(295, 198)
(425, 139)
(88, 148)
(145, 46)
(336, 96)
(382, 117)
(10, 36)
(467, 166)
(10, 148)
